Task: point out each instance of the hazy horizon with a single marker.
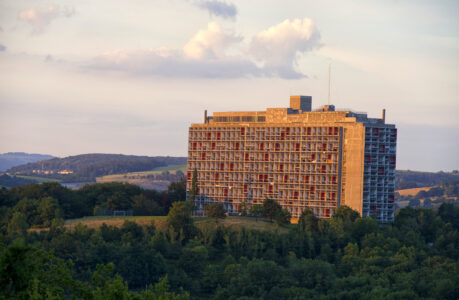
(130, 77)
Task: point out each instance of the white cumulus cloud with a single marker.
(209, 43)
(279, 46)
(40, 17)
(206, 54)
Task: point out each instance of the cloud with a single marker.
(2, 48)
(278, 47)
(169, 63)
(219, 9)
(209, 43)
(40, 17)
(205, 55)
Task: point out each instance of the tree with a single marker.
(256, 210)
(176, 191)
(194, 189)
(161, 291)
(414, 202)
(143, 206)
(179, 219)
(215, 210)
(30, 273)
(427, 203)
(271, 209)
(345, 213)
(17, 226)
(283, 216)
(308, 222)
(48, 210)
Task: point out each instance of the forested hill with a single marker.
(11, 159)
(413, 179)
(86, 167)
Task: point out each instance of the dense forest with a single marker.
(345, 257)
(86, 167)
(11, 181)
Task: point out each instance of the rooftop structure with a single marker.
(303, 159)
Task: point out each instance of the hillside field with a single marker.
(144, 179)
(160, 222)
(413, 191)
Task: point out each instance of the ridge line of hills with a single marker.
(86, 167)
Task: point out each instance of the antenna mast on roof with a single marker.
(329, 80)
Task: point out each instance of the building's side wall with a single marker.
(379, 172)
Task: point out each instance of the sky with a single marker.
(112, 76)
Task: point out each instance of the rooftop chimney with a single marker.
(302, 103)
(384, 115)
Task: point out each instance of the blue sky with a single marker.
(130, 76)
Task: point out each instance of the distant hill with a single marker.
(406, 179)
(86, 167)
(12, 159)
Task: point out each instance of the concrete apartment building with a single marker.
(303, 159)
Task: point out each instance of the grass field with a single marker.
(182, 168)
(413, 191)
(160, 222)
(39, 179)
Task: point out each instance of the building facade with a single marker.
(303, 159)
